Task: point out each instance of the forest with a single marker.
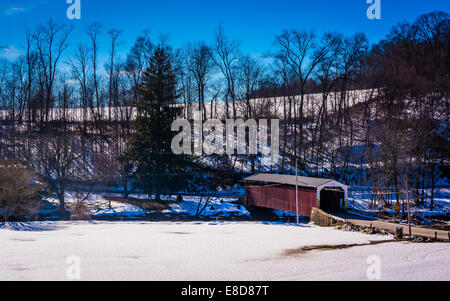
(373, 116)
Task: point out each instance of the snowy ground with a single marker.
(361, 199)
(100, 207)
(207, 251)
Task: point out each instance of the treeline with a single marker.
(396, 133)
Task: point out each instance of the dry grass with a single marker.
(306, 249)
(145, 204)
(80, 212)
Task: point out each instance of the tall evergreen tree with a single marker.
(150, 144)
(157, 169)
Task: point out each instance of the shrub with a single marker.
(19, 193)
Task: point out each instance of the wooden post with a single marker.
(296, 190)
(408, 206)
(399, 232)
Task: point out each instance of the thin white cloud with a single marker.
(9, 52)
(13, 10)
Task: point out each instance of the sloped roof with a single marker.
(290, 180)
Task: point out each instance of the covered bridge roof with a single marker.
(291, 180)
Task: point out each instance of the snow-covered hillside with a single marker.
(361, 199)
(217, 109)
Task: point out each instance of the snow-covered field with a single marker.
(219, 109)
(207, 251)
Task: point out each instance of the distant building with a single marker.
(278, 192)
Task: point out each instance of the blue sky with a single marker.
(252, 22)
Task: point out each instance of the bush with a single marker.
(19, 194)
(80, 212)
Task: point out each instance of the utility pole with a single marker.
(296, 189)
(408, 207)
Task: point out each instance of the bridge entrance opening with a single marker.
(332, 199)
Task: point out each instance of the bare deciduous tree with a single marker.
(200, 65)
(51, 41)
(226, 55)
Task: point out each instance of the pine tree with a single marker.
(157, 168)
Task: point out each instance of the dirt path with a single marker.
(392, 227)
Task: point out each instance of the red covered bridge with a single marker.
(278, 192)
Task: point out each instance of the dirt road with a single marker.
(364, 221)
